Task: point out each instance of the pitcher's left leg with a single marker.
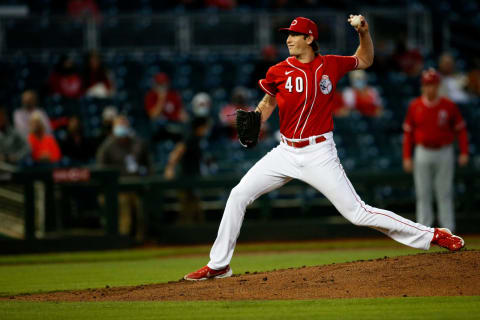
(328, 176)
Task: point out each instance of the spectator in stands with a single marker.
(44, 146)
(65, 80)
(78, 148)
(21, 116)
(474, 78)
(97, 81)
(165, 109)
(431, 126)
(108, 115)
(408, 61)
(383, 63)
(221, 4)
(269, 58)
(361, 97)
(188, 153)
(124, 151)
(13, 147)
(228, 112)
(84, 9)
(201, 105)
(453, 83)
(228, 117)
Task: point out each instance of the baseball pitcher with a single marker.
(302, 86)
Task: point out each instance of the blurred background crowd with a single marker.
(151, 87)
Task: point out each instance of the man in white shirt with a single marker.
(21, 116)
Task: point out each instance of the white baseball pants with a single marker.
(319, 166)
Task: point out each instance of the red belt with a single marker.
(303, 143)
(433, 145)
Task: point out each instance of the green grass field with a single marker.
(64, 271)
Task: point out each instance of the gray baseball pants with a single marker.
(433, 173)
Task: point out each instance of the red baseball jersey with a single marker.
(433, 125)
(173, 104)
(305, 93)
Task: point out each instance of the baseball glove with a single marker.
(248, 127)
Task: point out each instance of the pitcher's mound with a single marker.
(433, 274)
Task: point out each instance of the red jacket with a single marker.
(172, 108)
(433, 125)
(69, 86)
(46, 147)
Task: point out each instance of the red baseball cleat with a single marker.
(207, 273)
(444, 238)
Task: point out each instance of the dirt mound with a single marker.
(434, 274)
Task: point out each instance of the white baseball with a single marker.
(355, 21)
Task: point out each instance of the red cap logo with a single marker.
(304, 26)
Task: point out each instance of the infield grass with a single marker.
(377, 309)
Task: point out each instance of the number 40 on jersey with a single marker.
(298, 84)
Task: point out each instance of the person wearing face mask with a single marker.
(124, 151)
(361, 97)
(21, 116)
(164, 107)
(201, 105)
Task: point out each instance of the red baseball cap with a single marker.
(304, 26)
(161, 78)
(430, 76)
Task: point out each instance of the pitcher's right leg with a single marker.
(270, 173)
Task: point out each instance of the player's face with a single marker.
(297, 44)
(430, 91)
